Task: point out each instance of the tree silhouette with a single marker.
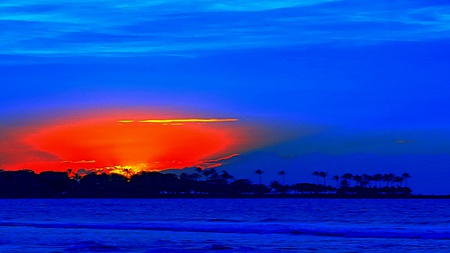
(398, 180)
(127, 172)
(211, 174)
(56, 183)
(70, 172)
(336, 178)
(365, 180)
(50, 184)
(198, 173)
(317, 174)
(406, 176)
(388, 178)
(259, 173)
(279, 188)
(377, 178)
(357, 179)
(226, 176)
(77, 177)
(241, 186)
(323, 175)
(348, 177)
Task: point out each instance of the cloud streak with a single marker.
(148, 28)
(167, 121)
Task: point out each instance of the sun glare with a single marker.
(127, 170)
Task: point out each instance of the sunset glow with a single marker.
(103, 143)
(152, 85)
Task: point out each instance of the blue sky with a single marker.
(334, 77)
(193, 28)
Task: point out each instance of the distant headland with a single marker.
(207, 183)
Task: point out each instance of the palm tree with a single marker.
(324, 174)
(406, 176)
(377, 178)
(198, 174)
(357, 179)
(194, 176)
(69, 172)
(336, 178)
(259, 172)
(226, 176)
(316, 173)
(388, 178)
(282, 173)
(127, 173)
(366, 179)
(211, 174)
(398, 180)
(348, 177)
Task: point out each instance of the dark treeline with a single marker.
(202, 183)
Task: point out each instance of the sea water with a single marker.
(225, 225)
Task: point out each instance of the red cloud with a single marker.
(108, 141)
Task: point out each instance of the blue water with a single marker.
(225, 225)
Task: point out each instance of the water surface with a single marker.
(226, 225)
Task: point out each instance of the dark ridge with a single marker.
(206, 183)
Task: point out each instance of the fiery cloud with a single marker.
(131, 144)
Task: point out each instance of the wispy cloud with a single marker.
(114, 28)
(172, 121)
(79, 162)
(404, 141)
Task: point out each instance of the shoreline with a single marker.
(287, 196)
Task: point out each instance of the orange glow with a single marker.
(129, 141)
(111, 144)
(126, 171)
(120, 144)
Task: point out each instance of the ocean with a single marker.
(225, 225)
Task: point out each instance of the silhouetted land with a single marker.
(203, 183)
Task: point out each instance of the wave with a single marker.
(90, 246)
(254, 228)
(222, 220)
